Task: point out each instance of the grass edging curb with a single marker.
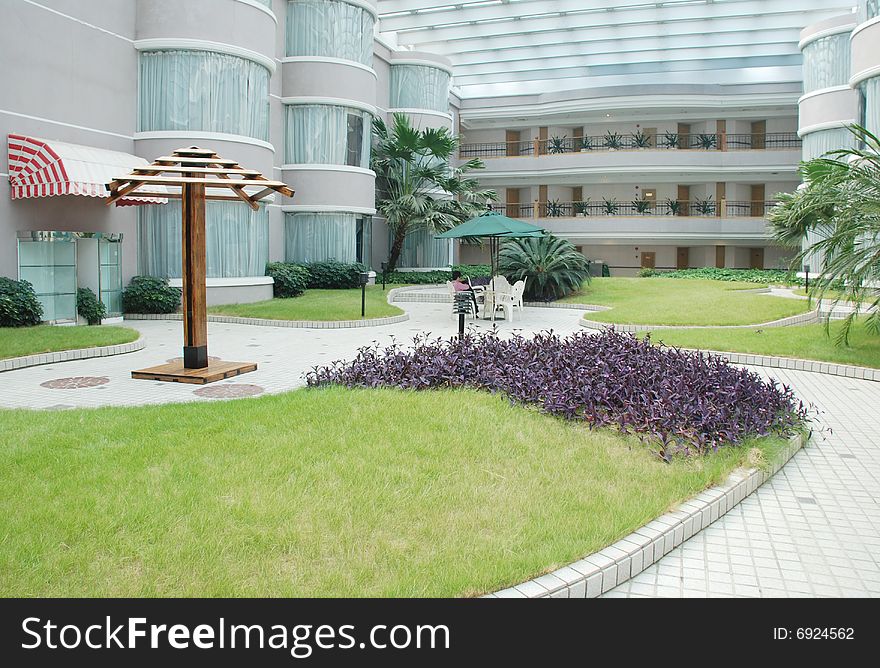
(800, 319)
(795, 364)
(603, 570)
(71, 355)
(295, 324)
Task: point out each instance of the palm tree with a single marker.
(552, 267)
(416, 187)
(840, 203)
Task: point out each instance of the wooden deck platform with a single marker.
(175, 372)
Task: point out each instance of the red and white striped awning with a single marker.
(46, 168)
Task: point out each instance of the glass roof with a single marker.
(505, 47)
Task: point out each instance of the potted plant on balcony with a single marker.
(610, 206)
(554, 209)
(707, 142)
(705, 207)
(581, 209)
(586, 144)
(670, 140)
(673, 207)
(557, 144)
(641, 140)
(642, 206)
(613, 140)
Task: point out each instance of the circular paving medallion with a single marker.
(230, 391)
(75, 382)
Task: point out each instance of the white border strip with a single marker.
(822, 91)
(333, 101)
(66, 125)
(327, 208)
(13, 363)
(197, 134)
(869, 73)
(173, 44)
(827, 125)
(332, 61)
(259, 5)
(235, 282)
(422, 62)
(327, 168)
(827, 32)
(422, 112)
(864, 26)
(364, 5)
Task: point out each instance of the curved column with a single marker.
(828, 104)
(419, 88)
(205, 74)
(866, 67)
(329, 101)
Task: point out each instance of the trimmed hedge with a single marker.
(331, 275)
(740, 275)
(147, 294)
(19, 306)
(291, 280)
(434, 277)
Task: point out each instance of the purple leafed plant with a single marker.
(676, 401)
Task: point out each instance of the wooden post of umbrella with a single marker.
(201, 175)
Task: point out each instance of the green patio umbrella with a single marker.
(494, 227)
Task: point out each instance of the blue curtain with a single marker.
(314, 237)
(419, 87)
(826, 62)
(203, 90)
(327, 134)
(871, 104)
(816, 144)
(330, 28)
(422, 251)
(237, 240)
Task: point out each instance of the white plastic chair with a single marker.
(503, 301)
(516, 294)
(500, 285)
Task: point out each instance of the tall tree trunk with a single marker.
(396, 246)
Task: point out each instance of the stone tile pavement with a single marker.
(812, 530)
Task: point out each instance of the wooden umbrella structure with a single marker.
(200, 174)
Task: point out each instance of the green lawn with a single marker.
(801, 341)
(20, 341)
(671, 301)
(328, 492)
(316, 305)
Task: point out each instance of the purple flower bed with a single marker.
(676, 401)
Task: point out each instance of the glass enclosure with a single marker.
(422, 251)
(47, 260)
(826, 62)
(419, 87)
(110, 274)
(330, 28)
(327, 134)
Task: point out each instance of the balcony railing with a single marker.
(773, 141)
(698, 208)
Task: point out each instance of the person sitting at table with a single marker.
(460, 283)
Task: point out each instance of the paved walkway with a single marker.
(812, 530)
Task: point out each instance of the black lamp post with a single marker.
(384, 269)
(461, 306)
(365, 278)
(807, 284)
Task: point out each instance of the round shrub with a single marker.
(147, 294)
(89, 306)
(551, 267)
(332, 275)
(291, 280)
(19, 306)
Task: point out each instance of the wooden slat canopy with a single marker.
(197, 166)
(194, 175)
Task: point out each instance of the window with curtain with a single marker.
(237, 240)
(873, 7)
(826, 62)
(203, 90)
(870, 90)
(364, 240)
(422, 251)
(315, 237)
(110, 272)
(330, 28)
(817, 143)
(327, 134)
(419, 87)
